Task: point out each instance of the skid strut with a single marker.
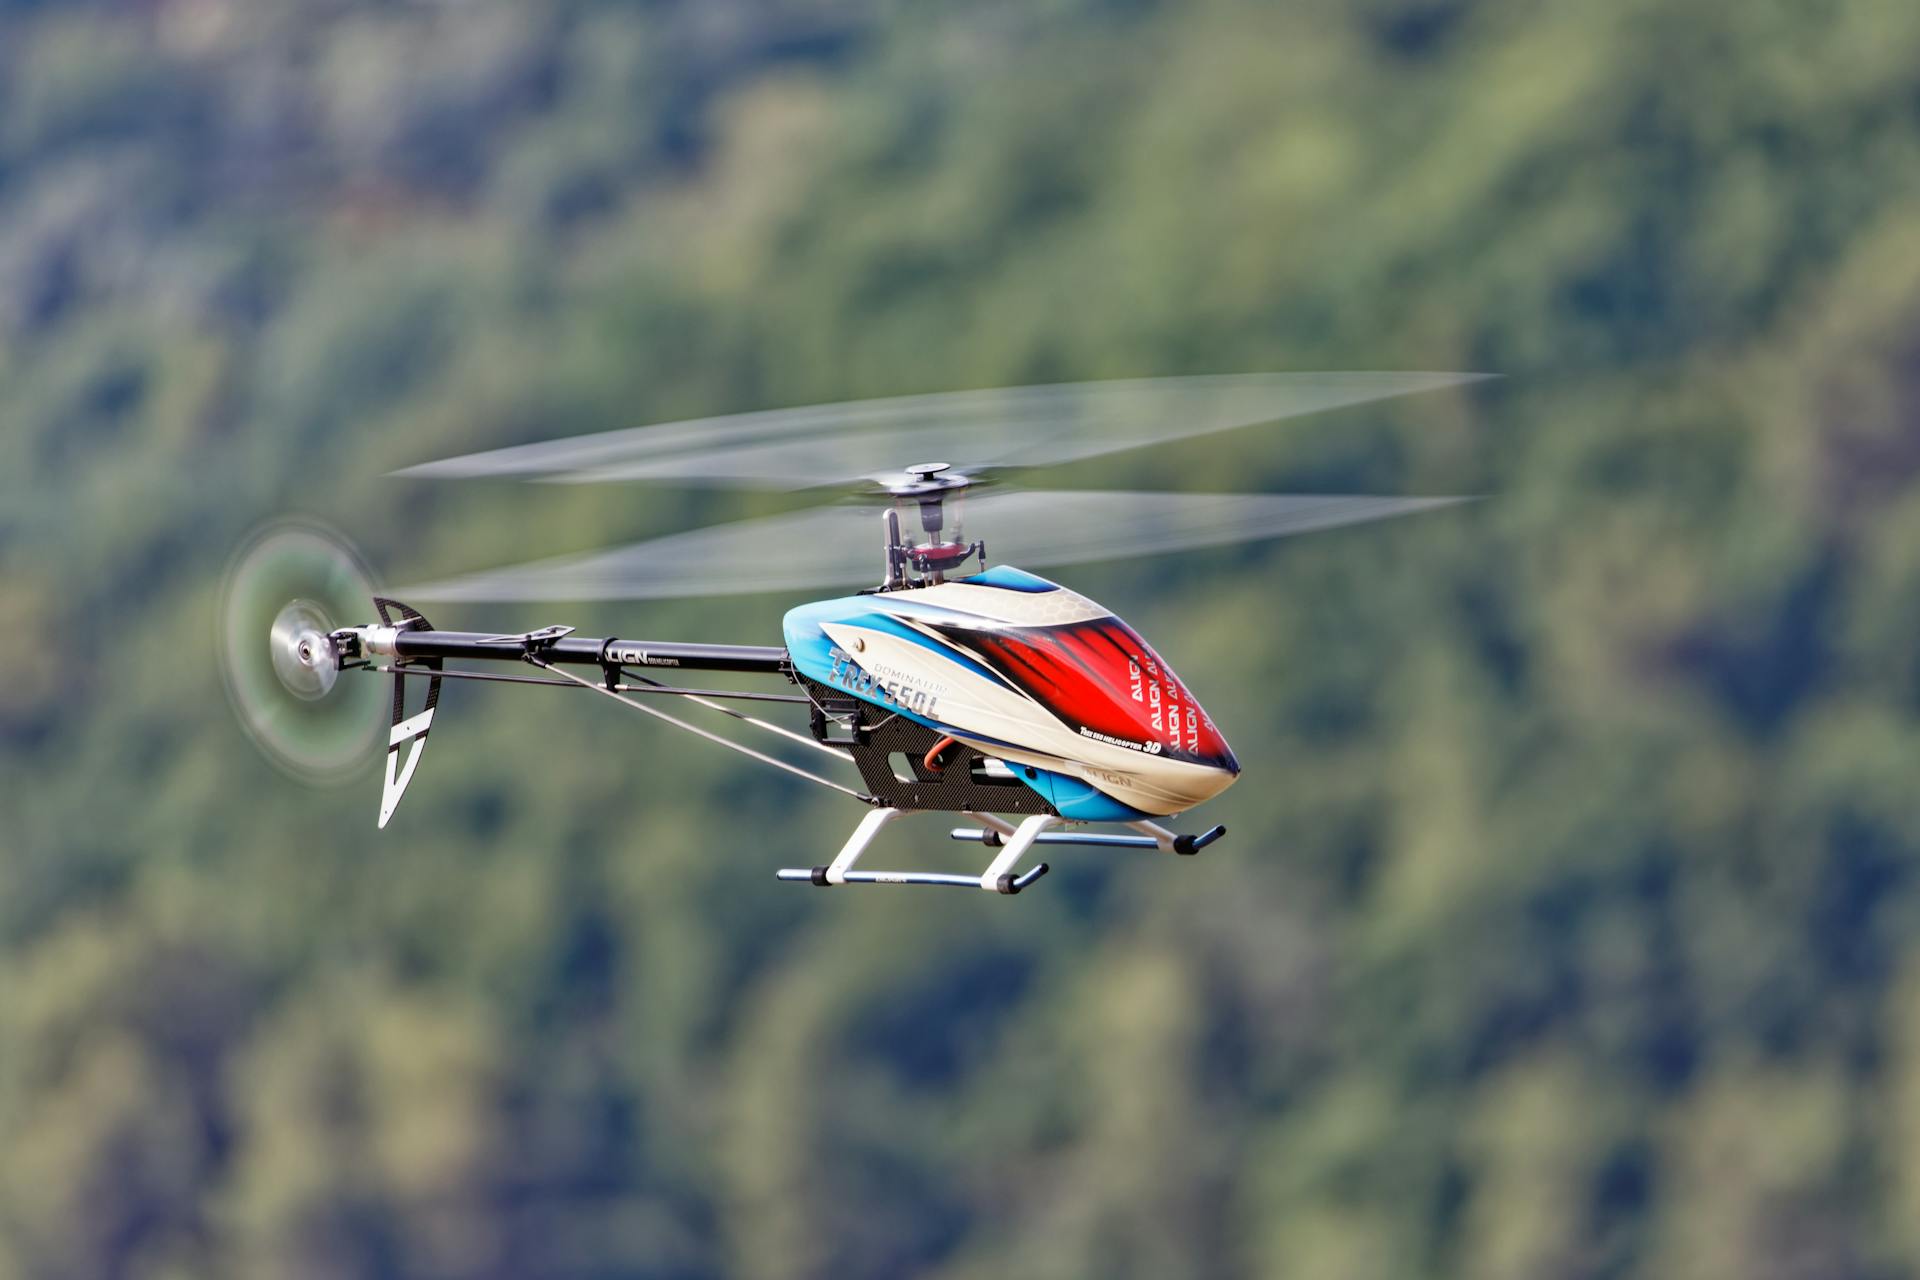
(999, 877)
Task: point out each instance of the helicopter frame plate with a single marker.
(953, 787)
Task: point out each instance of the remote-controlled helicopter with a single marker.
(948, 683)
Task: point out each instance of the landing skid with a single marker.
(1154, 836)
(1013, 843)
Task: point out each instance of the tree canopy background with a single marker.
(1567, 923)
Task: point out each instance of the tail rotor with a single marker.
(289, 587)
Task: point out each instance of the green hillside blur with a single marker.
(1567, 926)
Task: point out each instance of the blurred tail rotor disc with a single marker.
(287, 589)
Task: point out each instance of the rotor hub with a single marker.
(931, 480)
(303, 652)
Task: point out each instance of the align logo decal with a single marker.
(628, 655)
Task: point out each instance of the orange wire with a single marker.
(934, 755)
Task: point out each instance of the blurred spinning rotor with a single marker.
(978, 432)
(871, 446)
(286, 590)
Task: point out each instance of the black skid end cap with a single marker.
(1187, 846)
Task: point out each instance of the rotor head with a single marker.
(303, 653)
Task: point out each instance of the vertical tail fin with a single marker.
(406, 729)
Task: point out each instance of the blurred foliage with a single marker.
(1565, 925)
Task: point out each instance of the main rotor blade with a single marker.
(842, 546)
(1004, 427)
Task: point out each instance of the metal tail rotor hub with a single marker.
(303, 653)
(283, 596)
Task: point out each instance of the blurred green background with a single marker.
(1567, 924)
